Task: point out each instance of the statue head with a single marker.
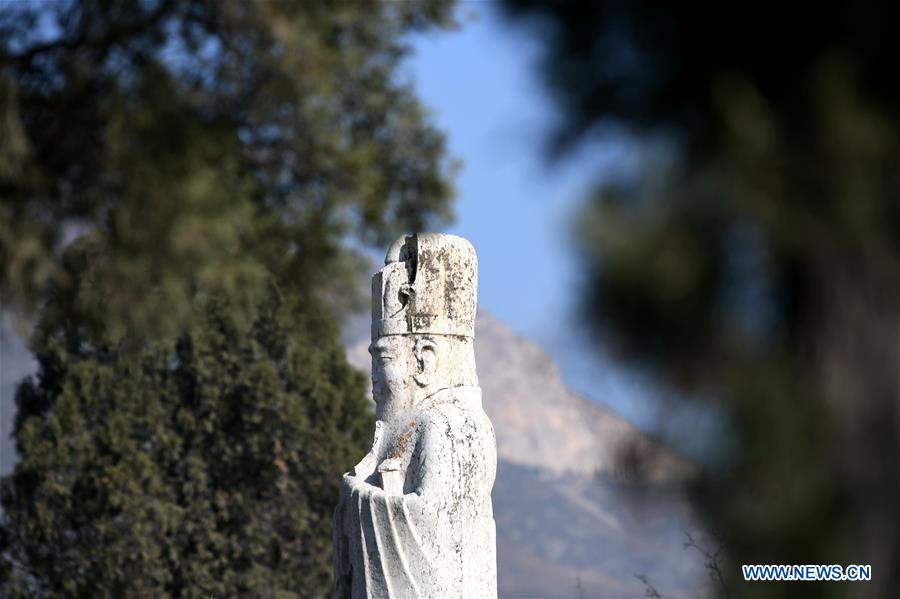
(423, 320)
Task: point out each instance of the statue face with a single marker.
(393, 385)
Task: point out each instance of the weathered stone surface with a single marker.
(428, 285)
(415, 516)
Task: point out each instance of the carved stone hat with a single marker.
(428, 285)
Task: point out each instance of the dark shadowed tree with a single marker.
(204, 467)
(755, 257)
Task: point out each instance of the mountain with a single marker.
(584, 501)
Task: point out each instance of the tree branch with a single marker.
(102, 42)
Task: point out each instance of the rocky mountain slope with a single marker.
(583, 500)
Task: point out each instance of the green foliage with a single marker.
(207, 467)
(164, 165)
(755, 258)
(208, 145)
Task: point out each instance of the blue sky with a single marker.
(482, 85)
(483, 89)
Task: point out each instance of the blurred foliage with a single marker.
(204, 467)
(182, 186)
(208, 146)
(755, 258)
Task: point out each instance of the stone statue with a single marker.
(415, 516)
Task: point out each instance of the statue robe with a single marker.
(437, 539)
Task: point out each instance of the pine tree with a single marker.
(204, 467)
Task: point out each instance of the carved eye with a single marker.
(380, 354)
